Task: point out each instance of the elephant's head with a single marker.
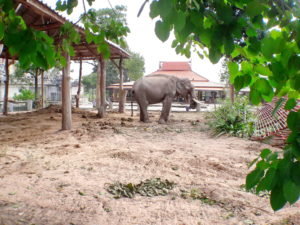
(185, 89)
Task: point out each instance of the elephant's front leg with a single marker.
(167, 103)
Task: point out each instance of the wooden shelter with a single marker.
(39, 16)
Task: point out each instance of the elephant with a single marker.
(163, 88)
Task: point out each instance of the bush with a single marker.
(236, 120)
(25, 94)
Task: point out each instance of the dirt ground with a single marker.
(48, 176)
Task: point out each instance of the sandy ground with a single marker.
(48, 176)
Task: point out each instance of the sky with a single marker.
(142, 39)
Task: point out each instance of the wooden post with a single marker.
(103, 105)
(66, 96)
(5, 103)
(42, 88)
(79, 84)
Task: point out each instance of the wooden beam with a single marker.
(79, 84)
(66, 96)
(5, 103)
(46, 27)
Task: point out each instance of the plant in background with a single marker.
(24, 95)
(234, 119)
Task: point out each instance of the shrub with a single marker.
(234, 119)
(25, 94)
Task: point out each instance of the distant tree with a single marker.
(25, 94)
(89, 82)
(224, 73)
(134, 67)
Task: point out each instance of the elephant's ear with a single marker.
(181, 87)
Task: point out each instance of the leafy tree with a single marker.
(224, 73)
(25, 94)
(265, 36)
(89, 82)
(134, 67)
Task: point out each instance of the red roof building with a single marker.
(180, 70)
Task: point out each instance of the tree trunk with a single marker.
(231, 93)
(103, 105)
(66, 96)
(42, 89)
(5, 103)
(36, 85)
(79, 84)
(98, 98)
(121, 88)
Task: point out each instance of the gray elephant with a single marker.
(163, 88)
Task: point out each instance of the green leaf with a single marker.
(263, 86)
(179, 21)
(253, 178)
(291, 191)
(293, 120)
(290, 104)
(267, 47)
(262, 165)
(295, 173)
(251, 32)
(277, 199)
(215, 55)
(269, 181)
(242, 81)
(228, 45)
(162, 30)
(224, 12)
(254, 8)
(154, 9)
(246, 67)
(278, 106)
(207, 22)
(263, 70)
(1, 31)
(233, 70)
(254, 96)
(265, 153)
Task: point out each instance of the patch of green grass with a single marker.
(149, 188)
(196, 194)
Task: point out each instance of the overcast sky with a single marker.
(142, 39)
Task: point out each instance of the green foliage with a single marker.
(89, 82)
(265, 35)
(25, 94)
(134, 67)
(149, 188)
(236, 119)
(106, 24)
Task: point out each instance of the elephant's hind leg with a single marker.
(143, 113)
